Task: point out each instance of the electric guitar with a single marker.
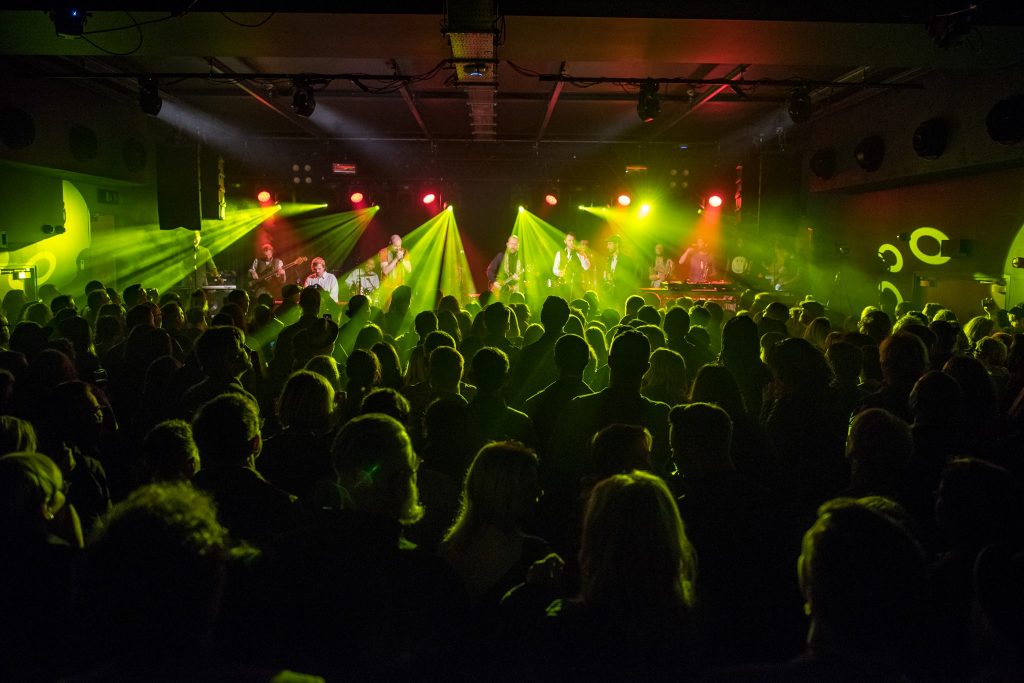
(269, 279)
(509, 284)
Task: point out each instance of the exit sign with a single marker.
(109, 197)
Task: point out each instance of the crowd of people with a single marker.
(782, 493)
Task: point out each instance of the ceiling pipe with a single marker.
(297, 121)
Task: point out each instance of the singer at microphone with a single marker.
(568, 268)
(395, 263)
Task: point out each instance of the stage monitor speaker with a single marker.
(772, 196)
(178, 198)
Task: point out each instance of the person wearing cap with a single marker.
(617, 276)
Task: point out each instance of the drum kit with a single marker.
(363, 281)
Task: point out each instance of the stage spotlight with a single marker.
(648, 103)
(624, 199)
(644, 210)
(69, 22)
(551, 199)
(1005, 121)
(357, 197)
(264, 197)
(715, 201)
(476, 70)
(429, 198)
(303, 102)
(149, 95)
(799, 105)
(521, 208)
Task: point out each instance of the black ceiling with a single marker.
(766, 49)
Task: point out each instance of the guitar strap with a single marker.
(509, 264)
(263, 267)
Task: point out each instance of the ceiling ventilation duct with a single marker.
(471, 27)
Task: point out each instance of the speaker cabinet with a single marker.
(772, 194)
(178, 198)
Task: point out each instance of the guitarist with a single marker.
(505, 271)
(267, 272)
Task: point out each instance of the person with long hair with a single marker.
(42, 537)
(297, 457)
(364, 374)
(805, 425)
(390, 365)
(741, 353)
(486, 545)
(665, 380)
(817, 331)
(634, 610)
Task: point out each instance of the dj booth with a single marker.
(724, 292)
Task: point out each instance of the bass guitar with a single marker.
(269, 281)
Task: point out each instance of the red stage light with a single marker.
(714, 201)
(625, 200)
(429, 198)
(263, 196)
(551, 199)
(357, 197)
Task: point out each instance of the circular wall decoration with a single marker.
(897, 262)
(1005, 121)
(931, 138)
(886, 286)
(936, 259)
(823, 163)
(870, 153)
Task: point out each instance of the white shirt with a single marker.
(327, 282)
(564, 256)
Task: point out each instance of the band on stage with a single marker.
(615, 273)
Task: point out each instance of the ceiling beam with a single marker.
(296, 120)
(552, 101)
(442, 95)
(727, 80)
(409, 102)
(726, 83)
